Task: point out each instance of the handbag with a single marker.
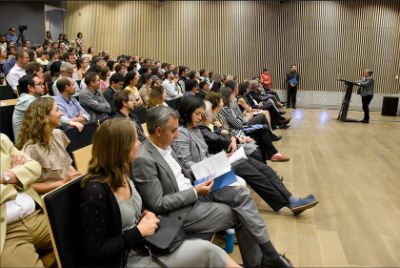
(168, 237)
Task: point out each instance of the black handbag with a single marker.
(168, 237)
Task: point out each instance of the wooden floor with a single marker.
(354, 170)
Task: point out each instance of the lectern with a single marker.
(346, 101)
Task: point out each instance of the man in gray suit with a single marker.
(164, 187)
(92, 99)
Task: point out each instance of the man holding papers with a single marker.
(164, 187)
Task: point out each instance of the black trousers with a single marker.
(263, 138)
(264, 180)
(291, 96)
(366, 100)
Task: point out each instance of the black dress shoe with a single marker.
(276, 137)
(364, 121)
(281, 262)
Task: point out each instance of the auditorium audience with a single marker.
(23, 225)
(92, 99)
(190, 148)
(73, 113)
(264, 137)
(112, 206)
(40, 139)
(18, 70)
(166, 187)
(30, 87)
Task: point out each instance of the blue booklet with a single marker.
(219, 182)
(218, 167)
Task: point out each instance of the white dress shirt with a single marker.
(183, 182)
(171, 89)
(22, 206)
(14, 75)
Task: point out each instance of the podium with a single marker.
(346, 101)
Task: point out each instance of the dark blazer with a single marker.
(156, 182)
(109, 96)
(216, 142)
(102, 240)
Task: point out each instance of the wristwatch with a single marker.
(6, 178)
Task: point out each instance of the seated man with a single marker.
(73, 113)
(66, 70)
(23, 226)
(18, 70)
(30, 88)
(92, 100)
(116, 84)
(164, 188)
(124, 102)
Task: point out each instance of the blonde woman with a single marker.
(40, 139)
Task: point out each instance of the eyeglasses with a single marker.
(41, 85)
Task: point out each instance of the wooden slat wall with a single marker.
(327, 39)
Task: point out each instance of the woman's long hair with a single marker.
(112, 144)
(35, 126)
(187, 107)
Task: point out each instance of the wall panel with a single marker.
(327, 39)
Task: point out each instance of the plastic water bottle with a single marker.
(230, 237)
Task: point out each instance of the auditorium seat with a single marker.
(62, 209)
(6, 112)
(141, 114)
(6, 93)
(80, 139)
(174, 103)
(82, 157)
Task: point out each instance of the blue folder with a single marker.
(220, 182)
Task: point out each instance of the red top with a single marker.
(266, 79)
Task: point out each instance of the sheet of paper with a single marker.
(239, 154)
(214, 166)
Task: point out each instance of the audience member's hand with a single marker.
(247, 139)
(148, 224)
(18, 160)
(78, 125)
(204, 188)
(232, 147)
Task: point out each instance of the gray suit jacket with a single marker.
(367, 86)
(95, 104)
(156, 182)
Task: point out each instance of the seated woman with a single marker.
(157, 97)
(264, 139)
(131, 80)
(190, 147)
(113, 222)
(145, 89)
(42, 141)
